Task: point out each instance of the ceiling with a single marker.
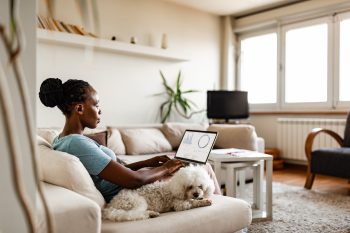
(233, 7)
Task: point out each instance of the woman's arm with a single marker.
(152, 162)
(127, 178)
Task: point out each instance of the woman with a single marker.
(78, 101)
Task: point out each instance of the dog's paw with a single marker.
(153, 214)
(205, 202)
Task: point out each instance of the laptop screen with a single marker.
(196, 145)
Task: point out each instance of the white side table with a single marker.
(234, 160)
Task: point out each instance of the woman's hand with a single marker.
(173, 165)
(157, 161)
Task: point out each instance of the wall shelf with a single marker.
(55, 37)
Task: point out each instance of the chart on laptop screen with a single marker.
(196, 145)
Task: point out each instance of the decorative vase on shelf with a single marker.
(133, 40)
(164, 42)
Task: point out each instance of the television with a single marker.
(227, 105)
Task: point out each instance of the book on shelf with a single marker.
(80, 30)
(73, 29)
(58, 25)
(52, 24)
(39, 23)
(49, 23)
(65, 27)
(44, 23)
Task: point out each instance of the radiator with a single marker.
(292, 133)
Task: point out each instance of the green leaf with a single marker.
(178, 82)
(158, 94)
(169, 90)
(184, 105)
(167, 113)
(193, 103)
(190, 91)
(162, 108)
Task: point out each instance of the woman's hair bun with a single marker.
(51, 92)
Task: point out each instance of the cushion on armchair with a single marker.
(66, 170)
(235, 136)
(331, 161)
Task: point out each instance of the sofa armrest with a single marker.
(71, 211)
(260, 145)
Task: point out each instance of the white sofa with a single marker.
(76, 204)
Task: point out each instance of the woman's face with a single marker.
(91, 110)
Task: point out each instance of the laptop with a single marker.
(195, 146)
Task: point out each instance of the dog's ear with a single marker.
(176, 185)
(208, 188)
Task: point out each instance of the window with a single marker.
(259, 68)
(306, 60)
(303, 65)
(344, 60)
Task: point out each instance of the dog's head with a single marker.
(191, 182)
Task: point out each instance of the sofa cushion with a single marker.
(235, 136)
(115, 141)
(226, 214)
(144, 141)
(65, 170)
(173, 131)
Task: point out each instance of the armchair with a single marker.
(328, 161)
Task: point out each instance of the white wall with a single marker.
(11, 214)
(126, 83)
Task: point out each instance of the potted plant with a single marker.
(176, 100)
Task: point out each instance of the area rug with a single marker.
(296, 209)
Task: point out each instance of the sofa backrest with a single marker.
(235, 136)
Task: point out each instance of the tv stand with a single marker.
(234, 122)
(228, 121)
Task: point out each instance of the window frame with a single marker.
(307, 105)
(269, 106)
(343, 105)
(333, 104)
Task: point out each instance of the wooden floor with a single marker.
(296, 175)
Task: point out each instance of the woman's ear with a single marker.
(79, 108)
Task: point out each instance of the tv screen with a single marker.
(227, 105)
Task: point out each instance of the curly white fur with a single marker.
(188, 188)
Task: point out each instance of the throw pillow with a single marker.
(174, 131)
(235, 136)
(100, 137)
(65, 170)
(144, 141)
(115, 142)
(48, 134)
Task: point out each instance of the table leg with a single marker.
(241, 177)
(257, 190)
(230, 182)
(217, 171)
(269, 189)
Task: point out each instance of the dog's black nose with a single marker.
(195, 195)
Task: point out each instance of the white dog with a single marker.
(188, 188)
